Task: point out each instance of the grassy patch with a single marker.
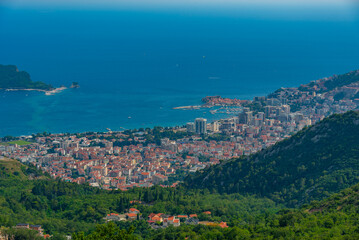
(11, 168)
(18, 142)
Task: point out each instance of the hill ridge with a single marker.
(318, 160)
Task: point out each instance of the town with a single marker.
(163, 156)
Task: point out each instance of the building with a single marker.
(115, 217)
(214, 126)
(190, 127)
(201, 125)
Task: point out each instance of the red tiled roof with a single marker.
(131, 214)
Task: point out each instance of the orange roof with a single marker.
(131, 214)
(134, 210)
(193, 215)
(223, 225)
(207, 212)
(156, 218)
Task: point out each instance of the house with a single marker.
(214, 224)
(193, 216)
(223, 225)
(192, 221)
(37, 228)
(32, 227)
(115, 217)
(155, 217)
(134, 210)
(207, 212)
(171, 221)
(131, 216)
(23, 225)
(176, 223)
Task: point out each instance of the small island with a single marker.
(75, 85)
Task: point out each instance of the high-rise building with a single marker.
(190, 127)
(201, 125)
(286, 109)
(248, 117)
(267, 111)
(242, 115)
(214, 126)
(261, 116)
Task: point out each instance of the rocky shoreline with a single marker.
(47, 92)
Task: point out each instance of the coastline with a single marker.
(47, 92)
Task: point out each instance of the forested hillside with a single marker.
(332, 218)
(312, 164)
(11, 77)
(28, 196)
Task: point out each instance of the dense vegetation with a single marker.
(11, 77)
(312, 164)
(332, 218)
(26, 195)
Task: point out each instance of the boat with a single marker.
(129, 117)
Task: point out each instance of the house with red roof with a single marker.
(171, 221)
(155, 217)
(131, 216)
(134, 210)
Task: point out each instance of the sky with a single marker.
(259, 9)
(183, 3)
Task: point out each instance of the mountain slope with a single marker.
(310, 165)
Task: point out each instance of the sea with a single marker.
(135, 65)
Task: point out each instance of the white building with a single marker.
(201, 125)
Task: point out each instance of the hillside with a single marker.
(344, 201)
(312, 164)
(332, 218)
(11, 170)
(337, 81)
(27, 195)
(12, 78)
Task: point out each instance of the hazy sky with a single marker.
(296, 9)
(166, 3)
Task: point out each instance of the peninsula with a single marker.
(13, 79)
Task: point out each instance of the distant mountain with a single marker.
(12, 78)
(310, 165)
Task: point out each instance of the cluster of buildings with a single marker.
(94, 158)
(132, 214)
(79, 159)
(160, 220)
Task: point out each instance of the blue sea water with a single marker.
(144, 63)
